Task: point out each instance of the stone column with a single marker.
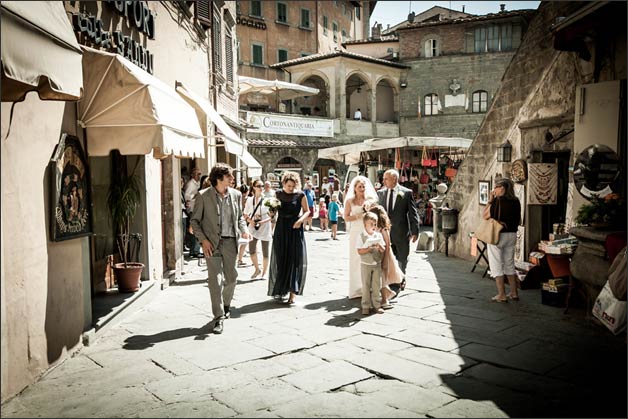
(373, 92)
(341, 98)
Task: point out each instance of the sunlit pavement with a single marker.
(444, 350)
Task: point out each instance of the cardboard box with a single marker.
(535, 257)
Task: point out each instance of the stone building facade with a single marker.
(538, 96)
(451, 83)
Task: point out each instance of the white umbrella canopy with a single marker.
(282, 90)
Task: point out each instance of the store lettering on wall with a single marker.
(138, 13)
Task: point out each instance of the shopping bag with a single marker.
(610, 311)
(433, 159)
(450, 172)
(488, 231)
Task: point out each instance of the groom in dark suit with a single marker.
(401, 209)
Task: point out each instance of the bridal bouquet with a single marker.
(273, 204)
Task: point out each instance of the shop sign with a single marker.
(138, 13)
(289, 125)
(92, 29)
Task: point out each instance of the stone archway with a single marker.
(386, 97)
(314, 105)
(358, 95)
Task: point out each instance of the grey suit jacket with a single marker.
(404, 216)
(205, 219)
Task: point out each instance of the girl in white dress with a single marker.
(360, 192)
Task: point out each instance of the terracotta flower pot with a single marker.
(128, 278)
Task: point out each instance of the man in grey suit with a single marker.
(401, 209)
(217, 222)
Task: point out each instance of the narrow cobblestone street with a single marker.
(444, 350)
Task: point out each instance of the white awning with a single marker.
(282, 90)
(39, 52)
(350, 153)
(126, 108)
(253, 166)
(233, 143)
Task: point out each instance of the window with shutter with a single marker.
(256, 8)
(258, 55)
(202, 11)
(282, 55)
(229, 56)
(282, 12)
(431, 104)
(216, 44)
(479, 101)
(334, 26)
(305, 18)
(325, 25)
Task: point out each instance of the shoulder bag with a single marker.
(489, 230)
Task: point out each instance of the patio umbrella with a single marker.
(282, 90)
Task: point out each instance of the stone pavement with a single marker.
(444, 350)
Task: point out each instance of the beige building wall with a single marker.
(374, 49)
(42, 281)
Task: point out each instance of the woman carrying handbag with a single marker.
(504, 207)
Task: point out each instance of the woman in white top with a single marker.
(360, 192)
(256, 214)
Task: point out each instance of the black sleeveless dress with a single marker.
(288, 260)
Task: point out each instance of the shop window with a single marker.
(479, 101)
(430, 104)
(282, 55)
(258, 55)
(305, 18)
(256, 8)
(282, 12)
(325, 25)
(431, 48)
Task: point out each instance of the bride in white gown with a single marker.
(360, 192)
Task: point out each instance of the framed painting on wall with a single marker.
(70, 201)
(484, 190)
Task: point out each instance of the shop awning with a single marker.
(39, 52)
(126, 108)
(350, 153)
(233, 143)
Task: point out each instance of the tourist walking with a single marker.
(322, 214)
(190, 191)
(242, 244)
(217, 222)
(332, 214)
(256, 214)
(310, 196)
(288, 260)
(504, 207)
(401, 209)
(360, 194)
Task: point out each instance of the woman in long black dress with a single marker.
(288, 261)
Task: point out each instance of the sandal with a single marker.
(496, 299)
(402, 286)
(256, 273)
(513, 297)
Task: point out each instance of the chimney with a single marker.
(463, 8)
(502, 8)
(411, 17)
(376, 31)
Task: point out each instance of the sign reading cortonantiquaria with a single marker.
(289, 125)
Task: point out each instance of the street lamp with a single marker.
(504, 152)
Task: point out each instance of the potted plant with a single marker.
(604, 213)
(123, 199)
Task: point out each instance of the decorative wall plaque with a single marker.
(70, 201)
(519, 171)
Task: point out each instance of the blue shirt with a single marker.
(333, 211)
(309, 195)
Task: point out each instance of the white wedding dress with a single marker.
(355, 275)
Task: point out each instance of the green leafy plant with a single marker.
(123, 199)
(610, 211)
